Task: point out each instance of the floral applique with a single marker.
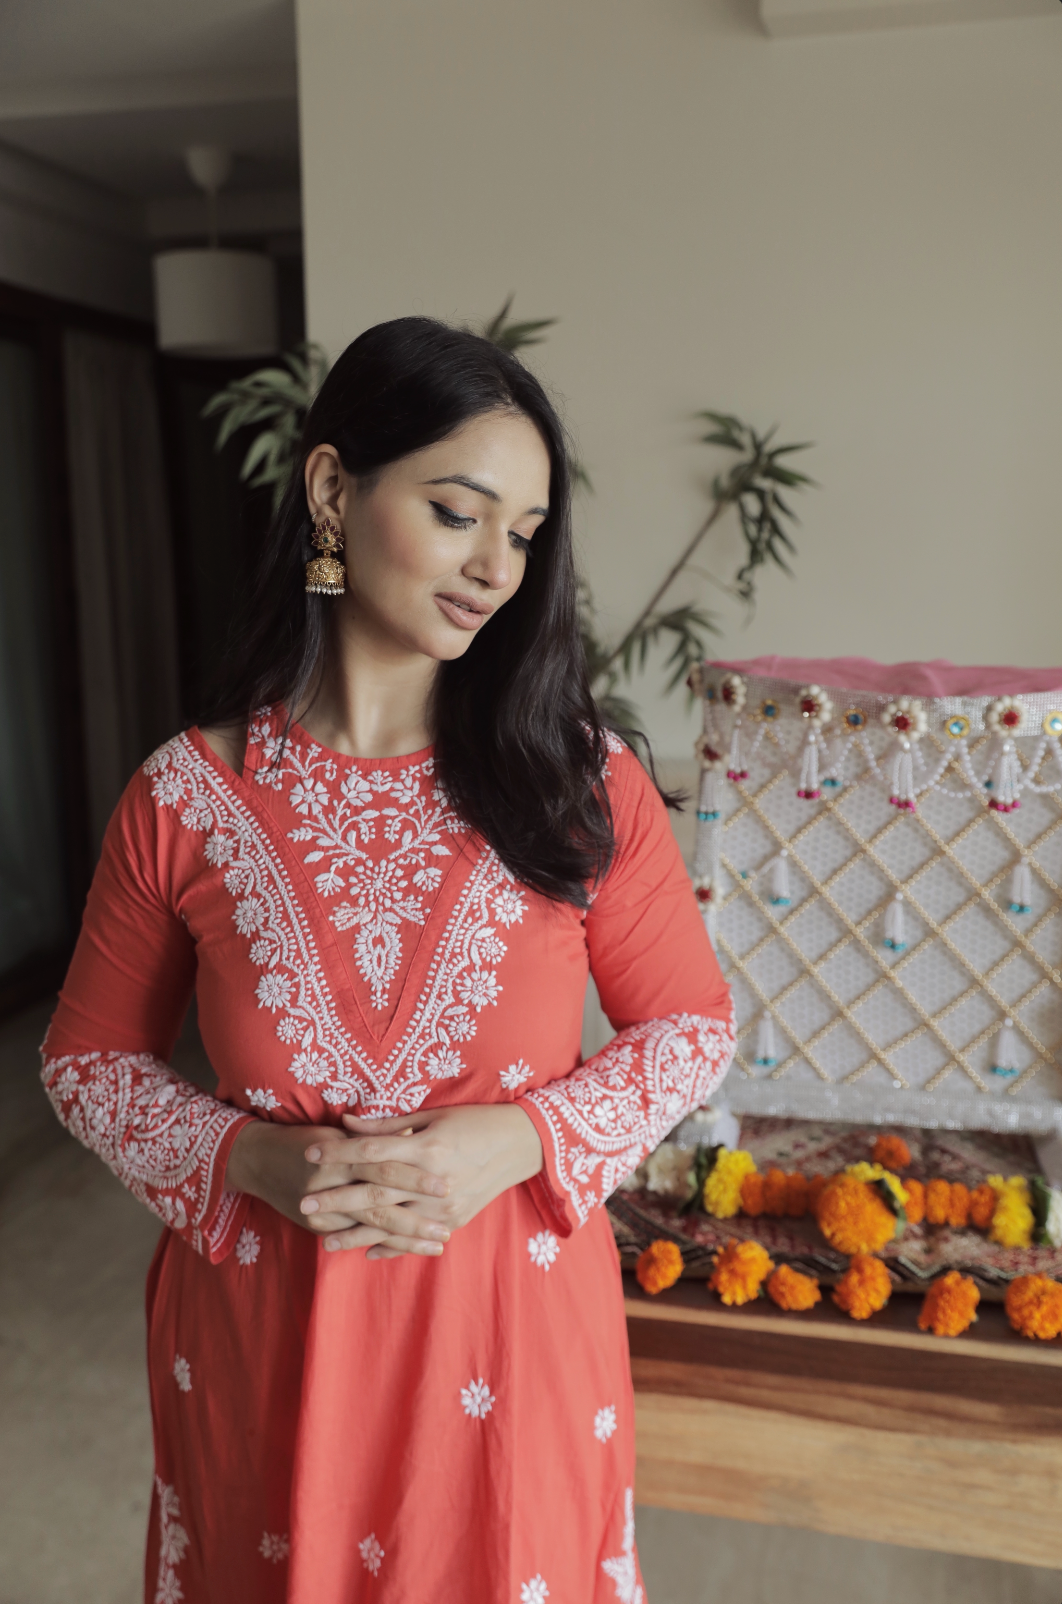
(623, 1570)
(515, 1075)
(534, 1592)
(371, 1554)
(543, 1249)
(275, 1546)
(477, 1400)
(605, 1423)
(173, 1540)
(248, 1246)
(182, 1374)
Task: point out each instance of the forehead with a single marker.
(502, 450)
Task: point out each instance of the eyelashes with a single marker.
(452, 520)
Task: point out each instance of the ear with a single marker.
(325, 481)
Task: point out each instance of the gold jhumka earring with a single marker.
(325, 575)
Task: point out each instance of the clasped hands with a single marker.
(393, 1186)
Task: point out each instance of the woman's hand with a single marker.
(477, 1151)
(270, 1162)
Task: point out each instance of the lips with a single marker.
(464, 611)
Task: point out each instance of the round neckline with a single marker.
(419, 756)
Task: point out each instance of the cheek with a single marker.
(395, 555)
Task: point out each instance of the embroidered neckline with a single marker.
(352, 805)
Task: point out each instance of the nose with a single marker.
(490, 561)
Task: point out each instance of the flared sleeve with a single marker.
(662, 989)
(104, 1059)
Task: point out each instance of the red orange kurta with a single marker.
(330, 1430)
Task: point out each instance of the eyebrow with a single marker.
(482, 490)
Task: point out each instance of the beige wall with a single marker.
(859, 237)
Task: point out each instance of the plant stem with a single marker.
(723, 502)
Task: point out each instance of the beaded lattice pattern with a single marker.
(863, 1026)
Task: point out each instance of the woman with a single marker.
(388, 910)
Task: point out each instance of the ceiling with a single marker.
(113, 91)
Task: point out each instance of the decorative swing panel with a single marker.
(881, 875)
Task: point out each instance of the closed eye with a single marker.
(448, 518)
(520, 542)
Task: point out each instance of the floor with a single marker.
(75, 1451)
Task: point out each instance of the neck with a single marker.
(374, 695)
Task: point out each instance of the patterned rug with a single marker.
(818, 1148)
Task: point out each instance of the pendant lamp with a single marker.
(215, 302)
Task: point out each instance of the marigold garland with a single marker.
(752, 1196)
(950, 1305)
(789, 1289)
(659, 1267)
(796, 1196)
(938, 1196)
(982, 1205)
(722, 1189)
(740, 1270)
(915, 1207)
(852, 1216)
(958, 1205)
(774, 1194)
(876, 1173)
(1034, 1306)
(864, 1288)
(1013, 1220)
(892, 1152)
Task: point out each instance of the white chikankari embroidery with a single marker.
(477, 1400)
(173, 1540)
(460, 980)
(606, 1116)
(515, 1075)
(605, 1423)
(258, 1097)
(371, 1553)
(348, 811)
(275, 1546)
(623, 1570)
(543, 1249)
(534, 1592)
(182, 1374)
(158, 1133)
(248, 1246)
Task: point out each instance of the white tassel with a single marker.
(809, 770)
(1021, 889)
(1005, 1062)
(780, 893)
(902, 777)
(736, 768)
(1004, 785)
(708, 800)
(766, 1049)
(895, 934)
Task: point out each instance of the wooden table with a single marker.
(871, 1430)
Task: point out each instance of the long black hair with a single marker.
(519, 742)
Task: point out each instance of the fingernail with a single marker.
(313, 1154)
(333, 1244)
(309, 1205)
(439, 1189)
(439, 1232)
(432, 1249)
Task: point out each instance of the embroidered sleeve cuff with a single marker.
(598, 1123)
(165, 1140)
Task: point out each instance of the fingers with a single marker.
(378, 1206)
(388, 1158)
(389, 1127)
(379, 1245)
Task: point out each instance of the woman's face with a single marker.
(440, 541)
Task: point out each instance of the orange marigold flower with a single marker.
(915, 1207)
(864, 1288)
(958, 1205)
(950, 1305)
(659, 1267)
(1034, 1306)
(752, 1195)
(938, 1197)
(853, 1217)
(891, 1152)
(740, 1270)
(815, 1186)
(791, 1290)
(982, 1205)
(774, 1190)
(796, 1196)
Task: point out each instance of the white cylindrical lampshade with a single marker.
(216, 303)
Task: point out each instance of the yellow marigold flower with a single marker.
(1013, 1220)
(864, 1288)
(892, 1151)
(1034, 1306)
(791, 1290)
(722, 1189)
(852, 1216)
(740, 1270)
(950, 1305)
(877, 1172)
(659, 1267)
